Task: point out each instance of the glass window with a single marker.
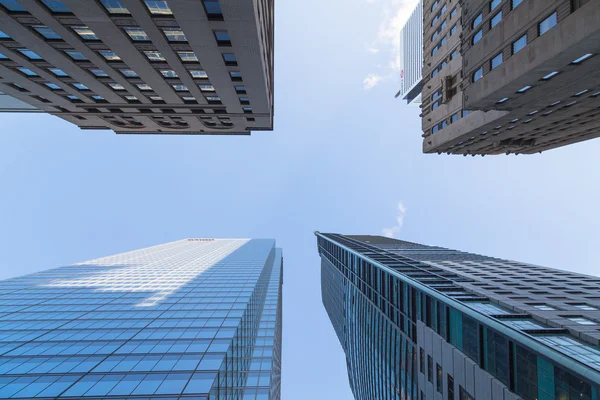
(168, 73)
(116, 86)
(502, 100)
(477, 75)
(453, 12)
(586, 307)
(52, 86)
(29, 54)
(524, 89)
(581, 59)
(230, 59)
(463, 394)
(136, 34)
(56, 6)
(430, 369)
(213, 98)
(57, 71)
(75, 55)
(439, 378)
(496, 19)
(46, 32)
(453, 30)
(434, 5)
(27, 71)
(519, 44)
(454, 118)
(582, 321)
(154, 56)
(158, 7)
(548, 23)
(222, 37)
(550, 75)
(96, 97)
(85, 33)
(180, 88)
(207, 88)
(516, 3)
(201, 382)
(80, 86)
(143, 86)
(199, 74)
(477, 37)
(496, 61)
(115, 6)
(129, 73)
(3, 57)
(494, 4)
(213, 9)
(12, 5)
(240, 89)
(187, 56)
(544, 307)
(477, 20)
(4, 35)
(109, 55)
(131, 98)
(174, 34)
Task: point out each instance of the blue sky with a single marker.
(341, 159)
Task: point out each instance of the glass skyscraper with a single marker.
(191, 319)
(422, 322)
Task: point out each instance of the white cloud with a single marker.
(373, 50)
(371, 81)
(391, 232)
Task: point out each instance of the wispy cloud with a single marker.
(386, 44)
(391, 232)
(371, 81)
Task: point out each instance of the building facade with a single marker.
(411, 57)
(526, 81)
(191, 319)
(423, 322)
(142, 66)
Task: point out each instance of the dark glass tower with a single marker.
(191, 319)
(424, 322)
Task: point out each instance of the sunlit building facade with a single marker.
(411, 57)
(195, 318)
(141, 66)
(423, 322)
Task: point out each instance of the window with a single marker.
(235, 75)
(180, 88)
(494, 4)
(114, 6)
(463, 394)
(579, 94)
(207, 88)
(582, 321)
(187, 56)
(80, 86)
(477, 20)
(477, 75)
(129, 73)
(29, 54)
(519, 44)
(154, 56)
(198, 74)
(213, 9)
(56, 6)
(98, 98)
(137, 34)
(4, 35)
(116, 86)
(524, 89)
(581, 59)
(109, 55)
(450, 387)
(244, 100)
(430, 369)
(143, 86)
(57, 71)
(422, 359)
(543, 307)
(213, 99)
(85, 33)
(548, 23)
(453, 30)
(46, 32)
(496, 19)
(27, 71)
(516, 3)
(230, 59)
(585, 307)
(75, 55)
(434, 5)
(550, 75)
(222, 37)
(168, 73)
(477, 37)
(502, 100)
(174, 34)
(240, 89)
(52, 86)
(439, 378)
(158, 7)
(496, 61)
(454, 118)
(12, 5)
(3, 57)
(453, 12)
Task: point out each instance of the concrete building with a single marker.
(191, 319)
(517, 76)
(425, 322)
(142, 66)
(411, 57)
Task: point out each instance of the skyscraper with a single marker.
(509, 76)
(425, 322)
(195, 318)
(142, 66)
(411, 57)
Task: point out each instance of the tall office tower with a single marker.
(191, 319)
(142, 66)
(423, 322)
(528, 75)
(411, 57)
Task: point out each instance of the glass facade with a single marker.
(393, 303)
(196, 318)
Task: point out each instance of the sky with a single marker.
(345, 156)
